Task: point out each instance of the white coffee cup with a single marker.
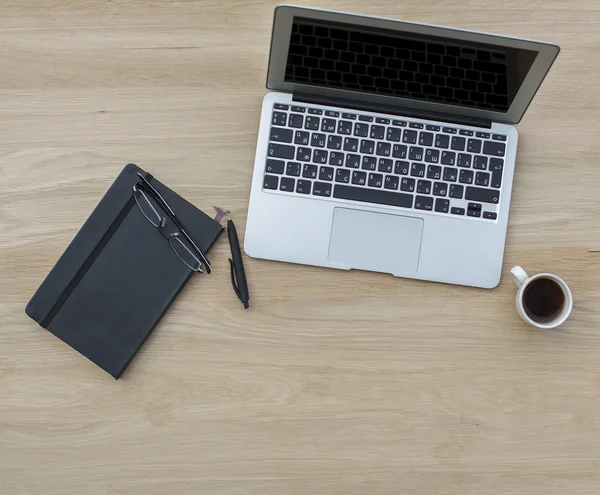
(543, 300)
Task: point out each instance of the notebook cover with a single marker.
(118, 276)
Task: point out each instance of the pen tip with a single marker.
(246, 305)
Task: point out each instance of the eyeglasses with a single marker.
(149, 201)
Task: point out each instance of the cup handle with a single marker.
(519, 275)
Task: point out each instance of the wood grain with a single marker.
(333, 382)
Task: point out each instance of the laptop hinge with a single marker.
(389, 109)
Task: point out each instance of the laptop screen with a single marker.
(406, 65)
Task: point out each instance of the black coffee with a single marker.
(543, 300)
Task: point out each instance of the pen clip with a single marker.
(233, 282)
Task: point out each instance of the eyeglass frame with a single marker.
(145, 186)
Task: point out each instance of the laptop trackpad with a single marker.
(375, 241)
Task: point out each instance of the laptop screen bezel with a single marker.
(282, 27)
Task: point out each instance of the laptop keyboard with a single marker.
(402, 163)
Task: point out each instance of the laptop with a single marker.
(388, 146)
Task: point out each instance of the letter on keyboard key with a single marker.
(424, 203)
(303, 154)
(321, 189)
(366, 195)
(281, 135)
(281, 151)
(342, 175)
(399, 151)
(482, 195)
(494, 148)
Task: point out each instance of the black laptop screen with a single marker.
(405, 65)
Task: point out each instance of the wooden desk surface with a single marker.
(333, 382)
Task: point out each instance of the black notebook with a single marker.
(118, 276)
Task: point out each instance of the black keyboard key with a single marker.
(458, 143)
(270, 182)
(326, 173)
(480, 162)
(281, 151)
(407, 184)
(312, 123)
(320, 156)
(351, 144)
(440, 189)
(373, 196)
(280, 106)
(432, 155)
(430, 127)
(423, 203)
(383, 149)
(473, 213)
(309, 171)
(415, 153)
(464, 160)
(369, 163)
(424, 187)
(322, 189)
(401, 167)
(474, 206)
(375, 180)
(442, 141)
(331, 113)
(361, 130)
(344, 127)
(359, 178)
(482, 179)
(342, 175)
(301, 138)
(293, 168)
(336, 158)
(303, 186)
(296, 120)
(416, 125)
(457, 211)
(442, 205)
(399, 123)
(426, 139)
(352, 161)
(318, 140)
(365, 118)
(456, 191)
(385, 165)
(315, 111)
(391, 182)
(380, 120)
(474, 145)
(448, 157)
(328, 125)
(465, 177)
(377, 132)
(494, 148)
(351, 116)
(449, 130)
(450, 174)
(399, 151)
(298, 109)
(279, 118)
(464, 132)
(484, 135)
(417, 170)
(367, 147)
(303, 154)
(275, 166)
(434, 172)
(281, 135)
(498, 137)
(409, 136)
(287, 184)
(334, 142)
(490, 215)
(482, 195)
(393, 134)
(496, 166)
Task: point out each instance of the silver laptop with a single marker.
(386, 145)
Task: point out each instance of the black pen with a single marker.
(237, 265)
